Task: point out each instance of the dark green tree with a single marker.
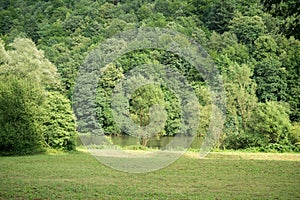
(218, 15)
(269, 73)
(289, 49)
(246, 28)
(288, 12)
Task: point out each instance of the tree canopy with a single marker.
(254, 45)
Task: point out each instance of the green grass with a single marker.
(218, 176)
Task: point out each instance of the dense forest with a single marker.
(255, 45)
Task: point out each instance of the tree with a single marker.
(59, 122)
(107, 82)
(164, 7)
(21, 103)
(247, 29)
(26, 61)
(227, 44)
(219, 15)
(44, 115)
(271, 80)
(240, 89)
(269, 73)
(288, 12)
(271, 121)
(140, 103)
(144, 11)
(289, 49)
(172, 107)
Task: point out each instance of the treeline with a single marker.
(34, 112)
(255, 45)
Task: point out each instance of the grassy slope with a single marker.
(81, 176)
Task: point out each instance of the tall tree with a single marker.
(32, 81)
(269, 72)
(289, 49)
(141, 102)
(240, 89)
(247, 28)
(288, 12)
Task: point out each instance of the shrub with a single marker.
(59, 123)
(242, 141)
(270, 121)
(20, 111)
(281, 148)
(295, 133)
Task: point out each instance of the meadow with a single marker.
(218, 176)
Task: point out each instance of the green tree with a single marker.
(59, 122)
(269, 73)
(21, 108)
(144, 12)
(241, 101)
(51, 116)
(240, 88)
(246, 28)
(140, 103)
(289, 49)
(107, 82)
(271, 121)
(288, 12)
(164, 7)
(172, 107)
(25, 61)
(227, 44)
(219, 14)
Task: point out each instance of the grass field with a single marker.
(218, 176)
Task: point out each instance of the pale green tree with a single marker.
(141, 103)
(271, 121)
(32, 82)
(240, 89)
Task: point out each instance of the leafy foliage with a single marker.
(255, 45)
(59, 123)
(34, 113)
(247, 28)
(21, 131)
(271, 121)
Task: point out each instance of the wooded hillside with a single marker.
(254, 45)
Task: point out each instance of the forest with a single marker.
(254, 44)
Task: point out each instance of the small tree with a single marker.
(59, 122)
(240, 89)
(271, 121)
(140, 104)
(20, 113)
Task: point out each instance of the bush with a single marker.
(242, 141)
(295, 133)
(59, 123)
(20, 111)
(280, 148)
(271, 121)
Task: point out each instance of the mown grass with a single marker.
(218, 176)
